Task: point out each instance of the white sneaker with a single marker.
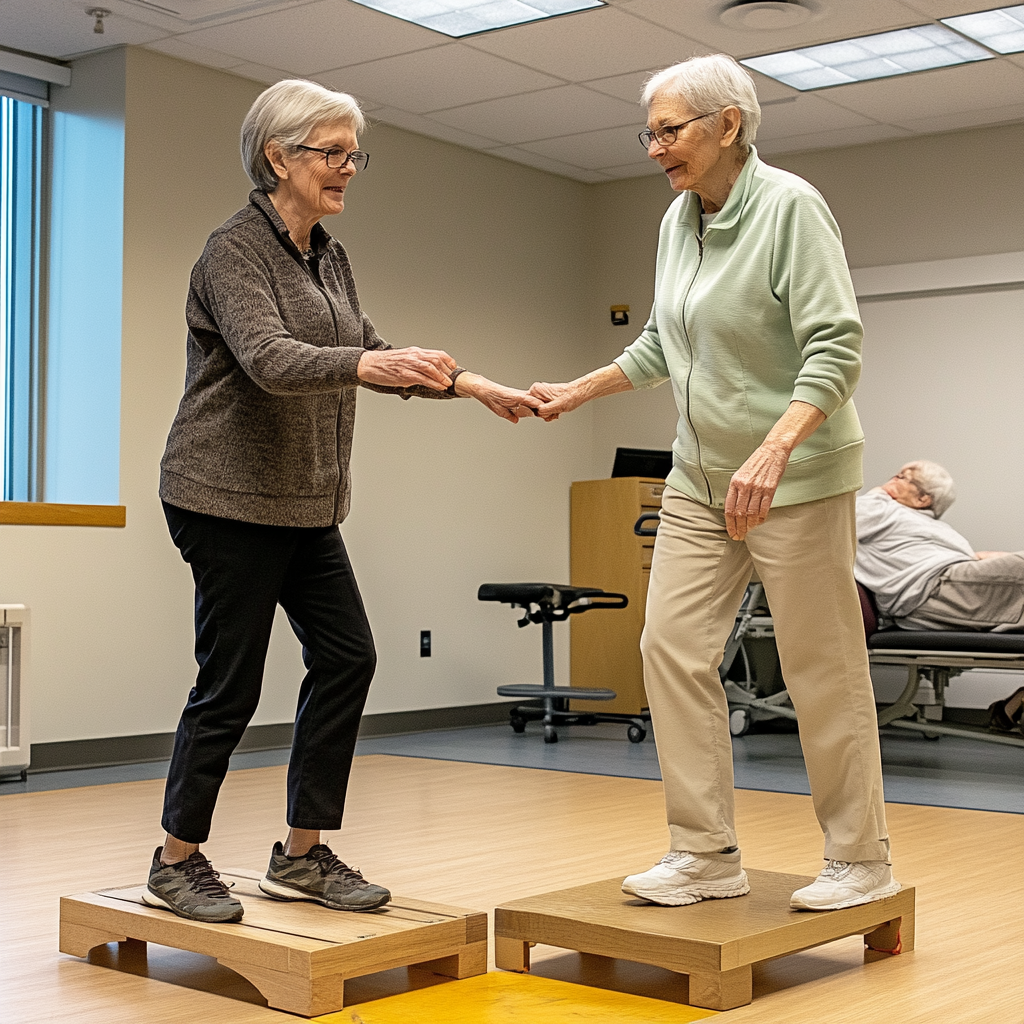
(680, 878)
(842, 885)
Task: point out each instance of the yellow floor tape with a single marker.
(503, 998)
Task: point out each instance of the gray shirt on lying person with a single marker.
(901, 551)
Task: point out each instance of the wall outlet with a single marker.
(424, 643)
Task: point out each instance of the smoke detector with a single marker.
(765, 15)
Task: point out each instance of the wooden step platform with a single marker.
(297, 954)
(715, 942)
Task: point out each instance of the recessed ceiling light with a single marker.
(457, 18)
(1001, 30)
(868, 57)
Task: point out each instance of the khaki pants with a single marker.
(803, 555)
(987, 594)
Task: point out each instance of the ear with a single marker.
(923, 501)
(275, 156)
(730, 122)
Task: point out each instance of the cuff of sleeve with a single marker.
(820, 396)
(637, 374)
(348, 367)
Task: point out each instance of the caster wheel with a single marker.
(550, 736)
(739, 721)
(518, 724)
(934, 737)
(636, 734)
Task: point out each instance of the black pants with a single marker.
(242, 571)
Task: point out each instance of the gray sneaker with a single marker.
(320, 877)
(191, 889)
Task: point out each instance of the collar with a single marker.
(319, 238)
(730, 213)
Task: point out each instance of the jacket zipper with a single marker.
(689, 372)
(337, 417)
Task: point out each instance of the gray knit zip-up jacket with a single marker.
(263, 432)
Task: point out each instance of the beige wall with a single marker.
(513, 271)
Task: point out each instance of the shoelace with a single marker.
(329, 863)
(674, 857)
(203, 879)
(836, 869)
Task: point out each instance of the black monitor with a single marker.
(642, 462)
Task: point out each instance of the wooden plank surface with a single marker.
(709, 935)
(39, 513)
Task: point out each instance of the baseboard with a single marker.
(114, 750)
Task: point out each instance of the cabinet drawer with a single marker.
(650, 493)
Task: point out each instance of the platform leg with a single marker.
(721, 990)
(511, 954)
(78, 939)
(295, 993)
(894, 936)
(468, 963)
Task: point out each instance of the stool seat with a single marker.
(570, 692)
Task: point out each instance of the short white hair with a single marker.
(707, 85)
(287, 113)
(935, 481)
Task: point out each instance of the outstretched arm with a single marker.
(559, 398)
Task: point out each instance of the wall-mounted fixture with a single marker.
(620, 315)
(99, 13)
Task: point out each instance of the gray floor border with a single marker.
(120, 750)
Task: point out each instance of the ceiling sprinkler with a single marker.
(99, 13)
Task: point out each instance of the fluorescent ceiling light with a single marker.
(1002, 30)
(859, 60)
(459, 18)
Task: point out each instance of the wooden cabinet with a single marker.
(604, 552)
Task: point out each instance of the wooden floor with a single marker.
(479, 835)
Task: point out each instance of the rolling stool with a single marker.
(547, 603)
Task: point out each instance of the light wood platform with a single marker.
(298, 955)
(715, 942)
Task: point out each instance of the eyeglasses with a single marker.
(338, 158)
(667, 135)
(908, 479)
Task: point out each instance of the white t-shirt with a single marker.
(900, 551)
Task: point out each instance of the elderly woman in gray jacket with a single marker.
(254, 481)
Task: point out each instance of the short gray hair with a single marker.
(707, 85)
(286, 113)
(935, 481)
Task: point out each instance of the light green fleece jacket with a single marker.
(757, 313)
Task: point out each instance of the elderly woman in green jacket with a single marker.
(755, 323)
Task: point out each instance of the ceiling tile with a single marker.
(588, 45)
(610, 146)
(633, 171)
(61, 28)
(836, 19)
(175, 47)
(259, 73)
(966, 119)
(806, 113)
(986, 84)
(427, 126)
(445, 76)
(316, 37)
(951, 8)
(623, 87)
(833, 139)
(568, 109)
(543, 163)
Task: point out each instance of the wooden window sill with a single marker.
(40, 513)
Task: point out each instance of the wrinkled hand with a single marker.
(557, 398)
(509, 403)
(405, 367)
(752, 489)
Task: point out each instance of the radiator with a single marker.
(14, 650)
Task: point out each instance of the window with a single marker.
(21, 132)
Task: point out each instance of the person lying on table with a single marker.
(254, 482)
(925, 575)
